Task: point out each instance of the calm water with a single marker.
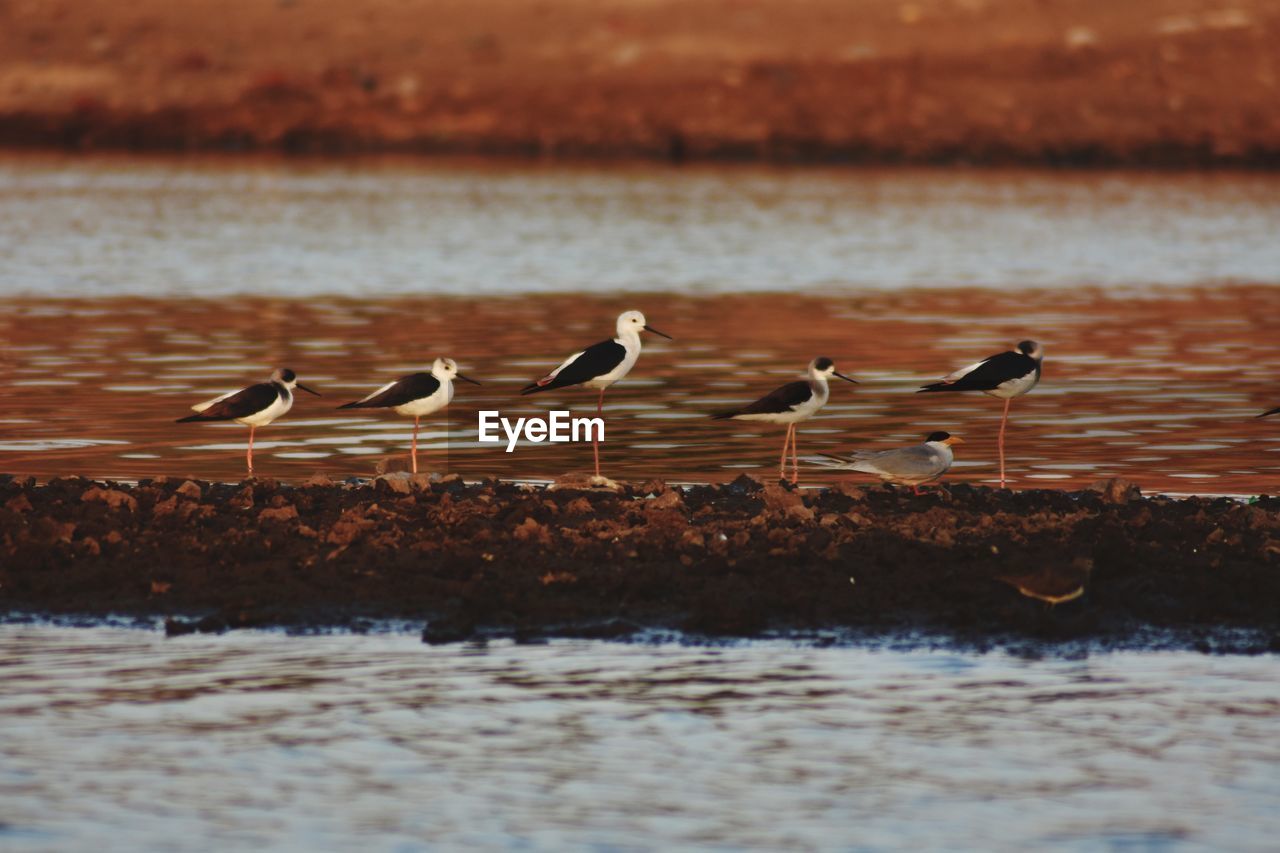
(101, 227)
(1160, 390)
(131, 289)
(351, 274)
(122, 740)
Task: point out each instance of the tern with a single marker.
(906, 466)
(255, 406)
(599, 366)
(1004, 375)
(416, 395)
(791, 404)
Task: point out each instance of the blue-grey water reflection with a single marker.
(375, 228)
(120, 739)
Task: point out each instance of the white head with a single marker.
(824, 368)
(632, 323)
(447, 369)
(286, 377)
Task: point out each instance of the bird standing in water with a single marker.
(791, 404)
(255, 406)
(599, 365)
(1004, 375)
(416, 395)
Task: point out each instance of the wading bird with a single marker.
(906, 466)
(1004, 375)
(255, 406)
(599, 366)
(791, 404)
(416, 395)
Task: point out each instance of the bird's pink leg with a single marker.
(249, 456)
(595, 437)
(795, 463)
(415, 444)
(782, 462)
(1004, 418)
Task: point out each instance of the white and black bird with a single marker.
(255, 406)
(791, 404)
(416, 395)
(1004, 375)
(599, 365)
(907, 466)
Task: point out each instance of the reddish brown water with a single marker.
(1161, 389)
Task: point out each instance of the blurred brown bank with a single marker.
(1075, 82)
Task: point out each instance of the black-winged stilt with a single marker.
(255, 406)
(416, 395)
(599, 365)
(1004, 375)
(791, 404)
(907, 466)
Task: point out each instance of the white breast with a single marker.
(623, 368)
(283, 403)
(818, 395)
(428, 405)
(1015, 387)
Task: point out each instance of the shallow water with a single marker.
(1153, 294)
(120, 739)
(1162, 390)
(350, 272)
(111, 226)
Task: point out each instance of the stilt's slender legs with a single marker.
(1003, 419)
(249, 455)
(595, 436)
(415, 443)
(782, 461)
(786, 442)
(795, 460)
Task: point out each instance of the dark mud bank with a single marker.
(979, 568)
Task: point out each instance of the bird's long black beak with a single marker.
(845, 378)
(308, 390)
(659, 334)
(465, 379)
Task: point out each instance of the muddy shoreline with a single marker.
(1089, 83)
(977, 567)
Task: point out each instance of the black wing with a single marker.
(595, 360)
(406, 389)
(990, 373)
(241, 404)
(779, 400)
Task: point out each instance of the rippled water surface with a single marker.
(131, 289)
(367, 228)
(116, 739)
(1160, 389)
